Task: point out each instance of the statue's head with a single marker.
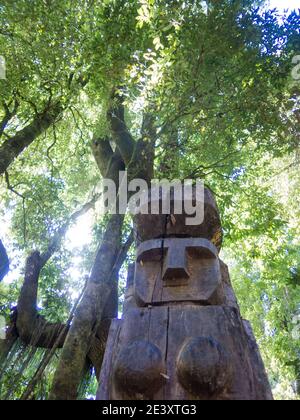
(177, 270)
(177, 262)
(175, 221)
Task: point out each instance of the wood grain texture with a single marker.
(170, 329)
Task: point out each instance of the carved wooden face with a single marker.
(177, 270)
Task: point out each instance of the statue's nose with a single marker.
(175, 265)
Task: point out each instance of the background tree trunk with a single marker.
(138, 158)
(89, 312)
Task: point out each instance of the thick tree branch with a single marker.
(14, 146)
(120, 132)
(32, 328)
(110, 163)
(103, 153)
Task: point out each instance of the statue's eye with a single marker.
(198, 252)
(151, 255)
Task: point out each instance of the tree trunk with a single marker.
(32, 328)
(89, 312)
(138, 158)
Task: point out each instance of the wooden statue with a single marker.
(182, 336)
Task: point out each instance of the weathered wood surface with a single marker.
(182, 336)
(153, 226)
(178, 270)
(107, 365)
(261, 378)
(183, 367)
